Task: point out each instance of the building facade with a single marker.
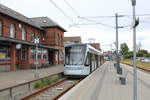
(17, 34)
(77, 39)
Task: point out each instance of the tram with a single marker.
(81, 59)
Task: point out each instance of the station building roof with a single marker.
(46, 22)
(37, 22)
(17, 16)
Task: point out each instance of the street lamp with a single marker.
(133, 2)
(36, 41)
(134, 52)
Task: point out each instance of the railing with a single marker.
(21, 90)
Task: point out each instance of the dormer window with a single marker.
(23, 34)
(12, 31)
(1, 27)
(32, 36)
(44, 21)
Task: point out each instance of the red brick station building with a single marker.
(17, 34)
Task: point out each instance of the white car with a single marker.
(147, 60)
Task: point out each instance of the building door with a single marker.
(51, 57)
(18, 58)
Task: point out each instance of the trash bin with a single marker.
(119, 70)
(123, 80)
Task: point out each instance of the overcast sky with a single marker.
(88, 8)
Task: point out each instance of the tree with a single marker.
(129, 55)
(124, 50)
(139, 54)
(142, 53)
(148, 55)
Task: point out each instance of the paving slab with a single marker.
(104, 84)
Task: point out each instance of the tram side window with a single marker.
(67, 55)
(87, 60)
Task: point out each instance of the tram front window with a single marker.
(74, 55)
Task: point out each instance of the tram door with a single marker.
(18, 58)
(90, 58)
(97, 60)
(92, 62)
(51, 57)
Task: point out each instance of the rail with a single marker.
(146, 70)
(53, 91)
(21, 90)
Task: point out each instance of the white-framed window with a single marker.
(1, 26)
(42, 53)
(12, 31)
(24, 53)
(23, 34)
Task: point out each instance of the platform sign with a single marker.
(133, 2)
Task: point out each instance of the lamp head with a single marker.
(133, 2)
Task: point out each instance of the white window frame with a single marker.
(12, 31)
(23, 31)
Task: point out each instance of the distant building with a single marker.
(17, 34)
(77, 39)
(70, 40)
(108, 55)
(96, 45)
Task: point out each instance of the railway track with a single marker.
(54, 91)
(145, 70)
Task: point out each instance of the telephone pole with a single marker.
(119, 69)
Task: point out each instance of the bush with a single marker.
(44, 83)
(37, 86)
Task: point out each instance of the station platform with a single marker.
(8, 79)
(104, 84)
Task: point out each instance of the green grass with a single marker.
(44, 83)
(139, 64)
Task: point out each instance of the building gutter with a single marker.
(26, 43)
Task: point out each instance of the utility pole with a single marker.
(134, 58)
(119, 69)
(135, 23)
